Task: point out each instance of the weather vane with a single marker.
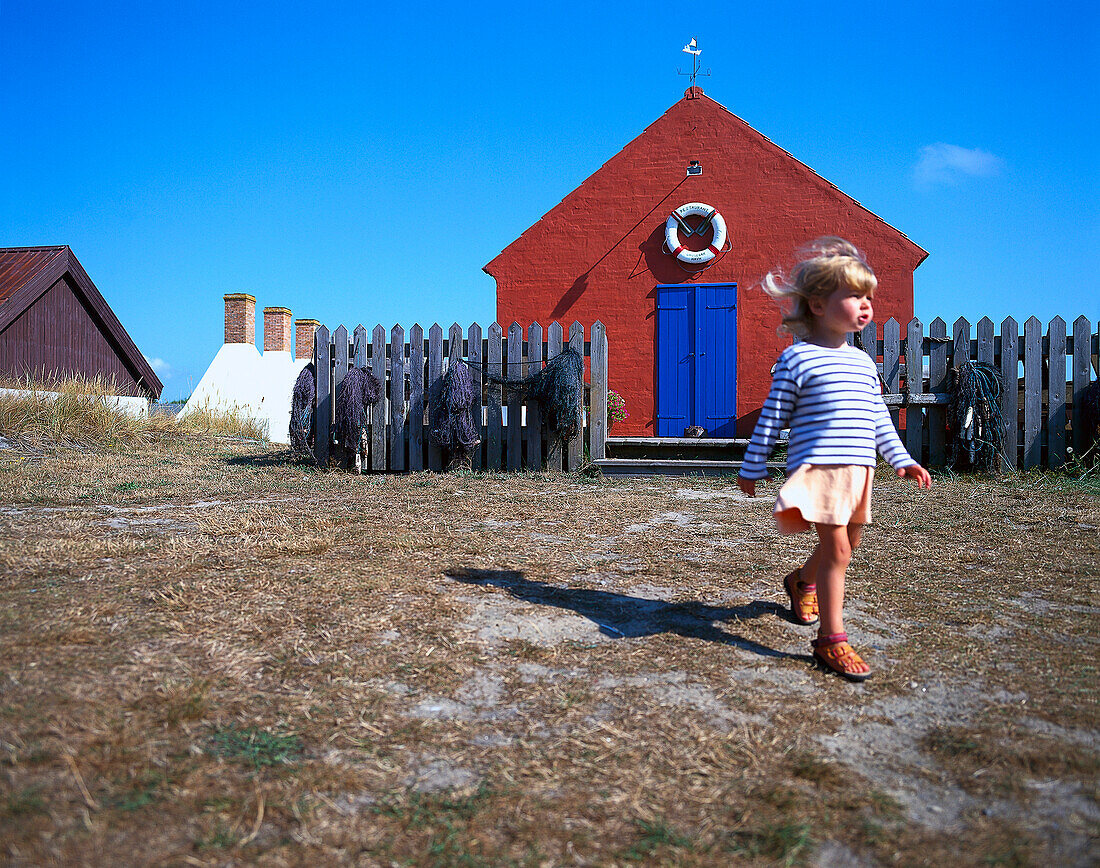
(694, 50)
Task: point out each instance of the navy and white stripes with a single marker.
(831, 401)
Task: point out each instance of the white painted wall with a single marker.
(243, 379)
(136, 407)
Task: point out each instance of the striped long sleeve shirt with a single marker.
(831, 401)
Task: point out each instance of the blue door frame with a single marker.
(697, 358)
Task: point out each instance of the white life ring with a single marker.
(672, 236)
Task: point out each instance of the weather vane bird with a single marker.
(694, 50)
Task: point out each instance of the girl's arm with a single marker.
(773, 418)
(891, 448)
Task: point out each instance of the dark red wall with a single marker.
(598, 255)
(59, 333)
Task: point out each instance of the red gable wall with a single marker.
(597, 255)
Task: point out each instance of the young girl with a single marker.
(828, 393)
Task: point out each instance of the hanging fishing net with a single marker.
(974, 418)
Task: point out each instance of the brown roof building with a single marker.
(53, 320)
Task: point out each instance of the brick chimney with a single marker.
(240, 319)
(277, 329)
(303, 337)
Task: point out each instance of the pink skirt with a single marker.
(826, 494)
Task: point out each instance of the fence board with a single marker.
(534, 413)
(515, 398)
(359, 359)
(575, 449)
(554, 344)
(1033, 392)
(914, 415)
(1056, 393)
(432, 389)
(378, 411)
(937, 382)
(597, 420)
(340, 345)
(891, 363)
(1082, 338)
(984, 353)
(398, 427)
(322, 412)
(477, 365)
(416, 397)
(493, 447)
(1010, 398)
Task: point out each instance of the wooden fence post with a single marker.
(985, 353)
(434, 387)
(1082, 351)
(576, 445)
(1056, 393)
(477, 365)
(416, 397)
(1010, 404)
(597, 420)
(322, 411)
(554, 345)
(515, 401)
(378, 411)
(340, 360)
(937, 383)
(397, 398)
(1033, 392)
(534, 413)
(891, 363)
(359, 359)
(493, 424)
(914, 413)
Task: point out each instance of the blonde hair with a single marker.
(826, 265)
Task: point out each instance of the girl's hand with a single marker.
(918, 474)
(747, 485)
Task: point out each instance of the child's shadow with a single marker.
(620, 616)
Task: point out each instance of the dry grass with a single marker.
(214, 655)
(77, 411)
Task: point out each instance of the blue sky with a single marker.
(362, 162)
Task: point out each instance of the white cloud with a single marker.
(163, 369)
(947, 164)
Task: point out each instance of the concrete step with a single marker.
(665, 448)
(671, 467)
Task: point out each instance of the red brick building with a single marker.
(601, 254)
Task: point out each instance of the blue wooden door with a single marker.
(675, 359)
(716, 358)
(697, 359)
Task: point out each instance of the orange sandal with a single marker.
(803, 598)
(835, 654)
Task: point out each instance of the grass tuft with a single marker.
(256, 747)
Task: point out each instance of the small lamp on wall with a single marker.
(694, 168)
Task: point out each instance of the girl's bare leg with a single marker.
(830, 564)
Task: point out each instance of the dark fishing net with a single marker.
(302, 400)
(1087, 415)
(974, 416)
(359, 390)
(453, 425)
(558, 388)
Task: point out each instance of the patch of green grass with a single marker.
(127, 486)
(219, 839)
(143, 792)
(23, 803)
(256, 747)
(787, 843)
(654, 837)
(445, 818)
